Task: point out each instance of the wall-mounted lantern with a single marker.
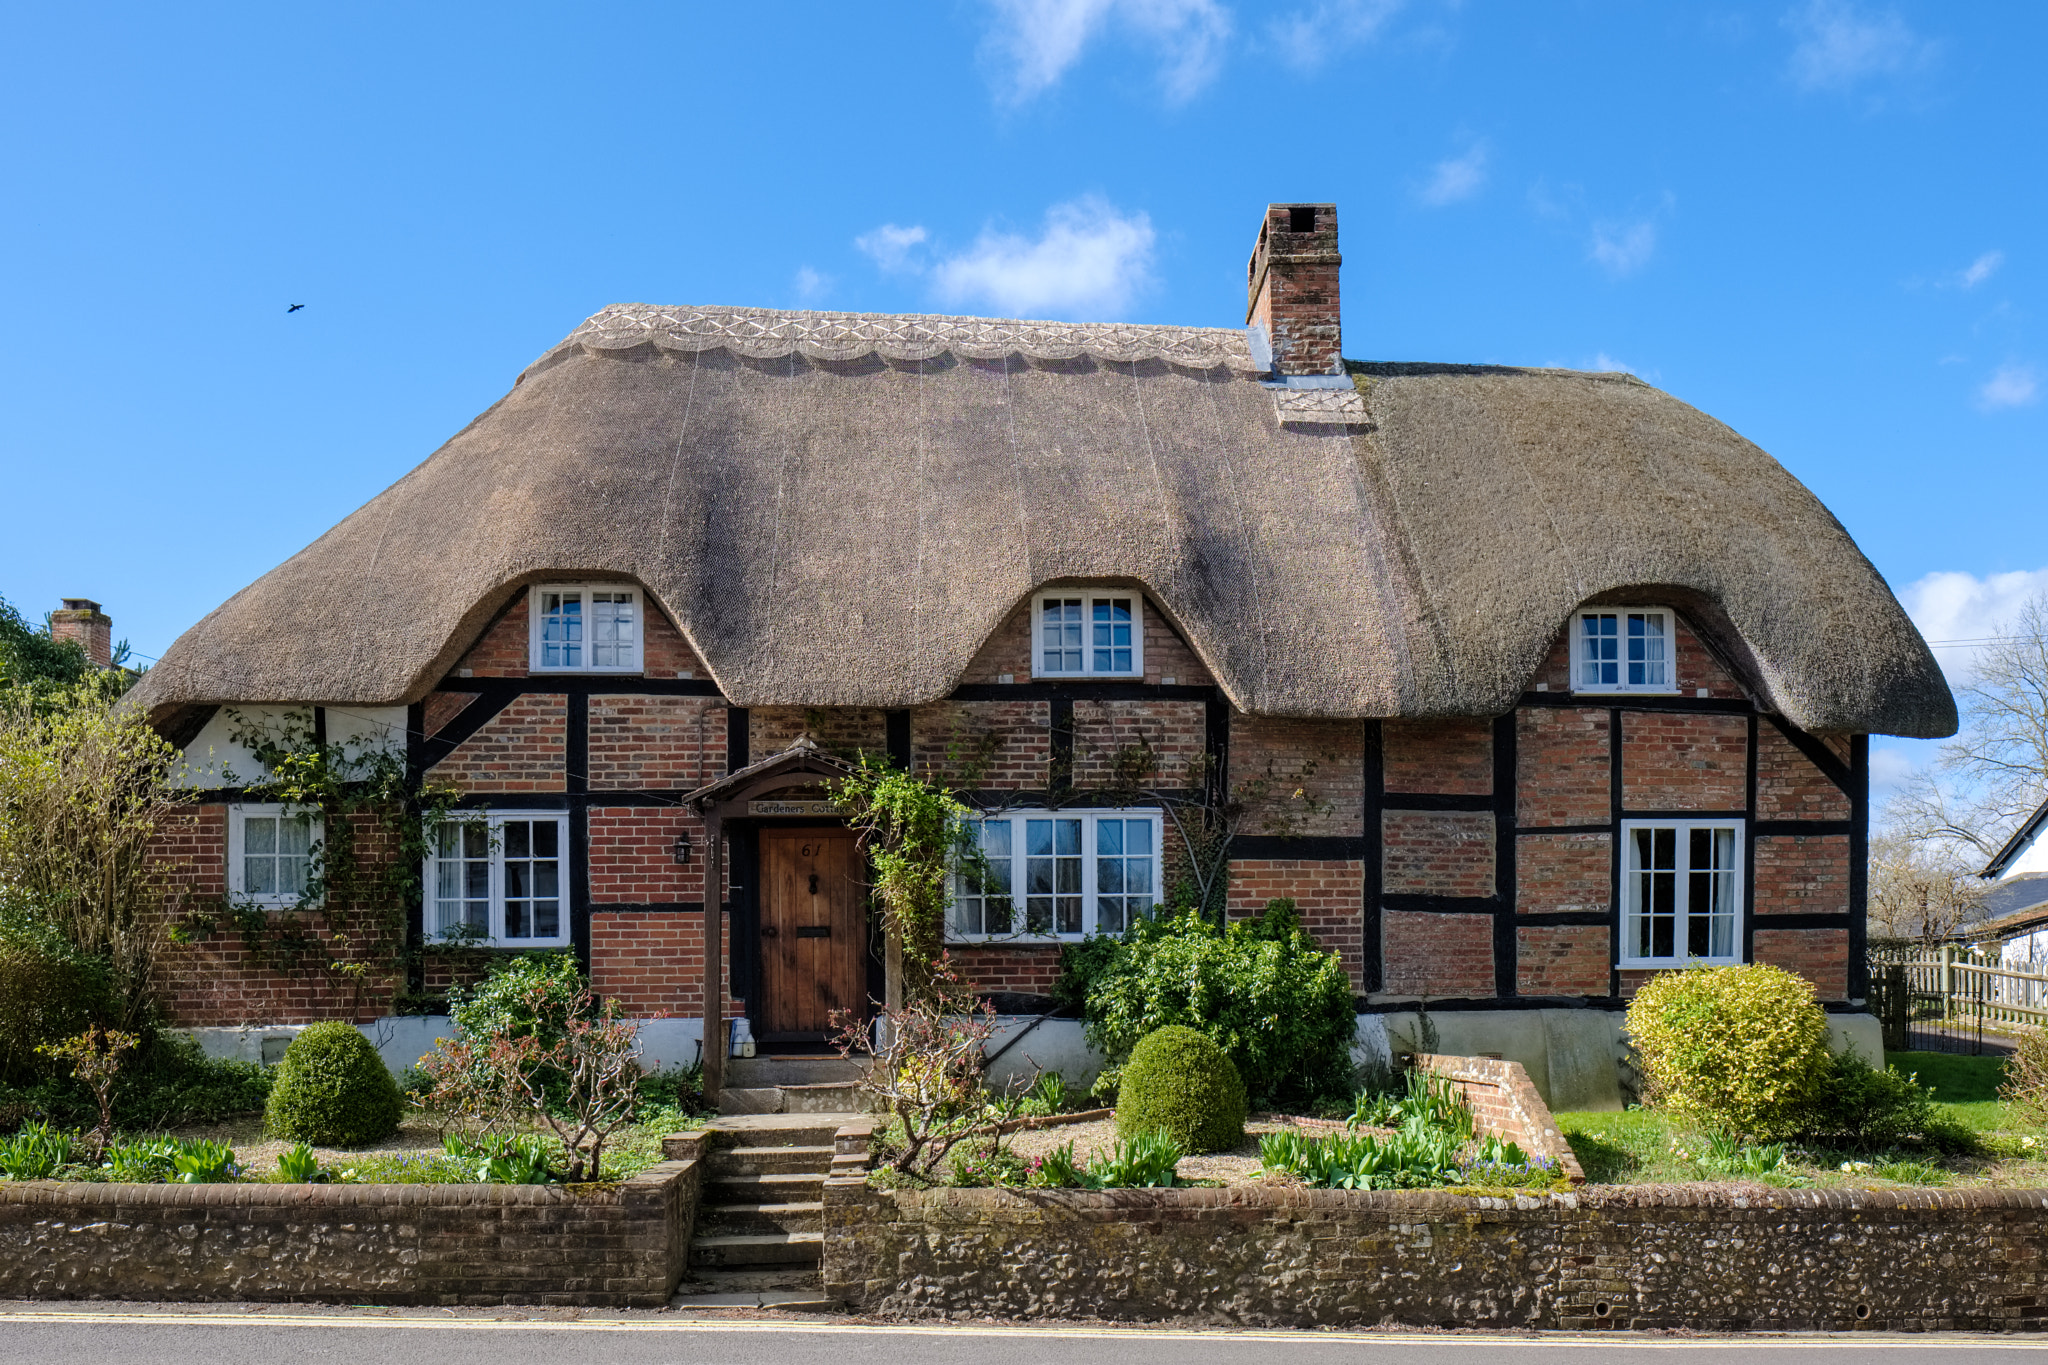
(682, 849)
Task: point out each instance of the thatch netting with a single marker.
(839, 510)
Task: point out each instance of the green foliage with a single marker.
(518, 1159)
(1082, 964)
(1048, 1095)
(32, 659)
(1140, 1161)
(2025, 1090)
(332, 1088)
(1952, 1078)
(1428, 1098)
(204, 1162)
(1742, 1051)
(1863, 1108)
(297, 1165)
(1262, 990)
(530, 996)
(977, 1168)
(49, 991)
(144, 1161)
(1417, 1156)
(911, 833)
(35, 1152)
(1180, 1082)
(169, 1081)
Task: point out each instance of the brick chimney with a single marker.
(82, 620)
(1291, 289)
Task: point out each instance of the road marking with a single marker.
(1307, 1337)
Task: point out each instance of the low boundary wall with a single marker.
(1503, 1100)
(614, 1246)
(1621, 1257)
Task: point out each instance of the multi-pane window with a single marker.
(272, 850)
(1057, 874)
(499, 878)
(1623, 650)
(1088, 635)
(586, 629)
(1681, 892)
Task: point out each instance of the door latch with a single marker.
(814, 883)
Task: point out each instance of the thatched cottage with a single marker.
(1523, 684)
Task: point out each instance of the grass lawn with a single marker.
(1642, 1147)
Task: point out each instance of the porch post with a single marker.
(714, 955)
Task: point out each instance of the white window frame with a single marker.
(1632, 911)
(1088, 598)
(1090, 857)
(1581, 648)
(535, 623)
(493, 823)
(237, 880)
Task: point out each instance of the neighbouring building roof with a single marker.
(2022, 839)
(838, 509)
(2016, 899)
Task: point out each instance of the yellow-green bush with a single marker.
(1742, 1051)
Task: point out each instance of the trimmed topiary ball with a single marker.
(1742, 1051)
(332, 1089)
(1179, 1081)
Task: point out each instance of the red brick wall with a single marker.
(841, 729)
(1324, 759)
(1819, 955)
(1563, 872)
(501, 652)
(653, 963)
(1675, 761)
(1438, 853)
(982, 744)
(1024, 969)
(1328, 896)
(1802, 874)
(664, 653)
(1453, 756)
(632, 856)
(641, 742)
(1445, 956)
(1562, 766)
(522, 749)
(1176, 732)
(443, 707)
(1788, 786)
(1561, 959)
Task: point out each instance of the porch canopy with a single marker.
(802, 764)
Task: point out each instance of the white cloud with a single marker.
(1456, 178)
(1607, 364)
(1088, 264)
(1957, 612)
(1624, 248)
(1981, 269)
(810, 286)
(2010, 386)
(891, 246)
(1039, 40)
(1840, 46)
(1311, 37)
(1890, 768)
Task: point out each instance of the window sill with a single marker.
(1677, 964)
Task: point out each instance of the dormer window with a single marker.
(1624, 649)
(585, 628)
(1088, 635)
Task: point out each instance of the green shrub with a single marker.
(1868, 1109)
(332, 1089)
(168, 1081)
(1261, 990)
(1181, 1083)
(49, 991)
(2025, 1090)
(1742, 1051)
(531, 996)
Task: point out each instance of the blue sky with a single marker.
(1819, 221)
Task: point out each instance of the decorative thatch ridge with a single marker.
(829, 526)
(761, 334)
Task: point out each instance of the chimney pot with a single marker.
(1291, 288)
(82, 620)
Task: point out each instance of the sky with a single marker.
(1820, 222)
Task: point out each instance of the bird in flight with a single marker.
(295, 308)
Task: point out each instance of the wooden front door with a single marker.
(813, 931)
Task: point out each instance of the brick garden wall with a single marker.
(622, 1246)
(1694, 1259)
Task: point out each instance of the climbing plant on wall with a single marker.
(910, 830)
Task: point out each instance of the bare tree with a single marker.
(1921, 889)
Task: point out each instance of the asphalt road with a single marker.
(145, 1336)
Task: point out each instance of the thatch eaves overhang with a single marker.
(839, 509)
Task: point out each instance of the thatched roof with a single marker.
(839, 509)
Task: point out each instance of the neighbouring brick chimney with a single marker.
(82, 620)
(1292, 288)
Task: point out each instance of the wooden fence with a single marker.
(1946, 999)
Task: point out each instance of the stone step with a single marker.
(741, 1162)
(772, 1188)
(790, 1288)
(779, 1130)
(717, 1220)
(839, 1098)
(781, 1248)
(773, 1072)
